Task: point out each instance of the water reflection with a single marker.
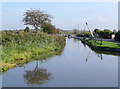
(75, 40)
(98, 53)
(108, 53)
(38, 76)
(90, 53)
(100, 56)
(102, 52)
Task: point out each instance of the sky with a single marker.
(67, 15)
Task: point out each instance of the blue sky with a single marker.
(67, 15)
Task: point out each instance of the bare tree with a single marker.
(36, 18)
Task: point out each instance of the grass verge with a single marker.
(19, 47)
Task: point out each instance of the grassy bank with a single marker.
(102, 45)
(19, 47)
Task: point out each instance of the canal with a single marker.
(77, 66)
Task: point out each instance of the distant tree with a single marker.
(49, 28)
(107, 31)
(36, 18)
(97, 31)
(75, 30)
(114, 31)
(27, 29)
(106, 34)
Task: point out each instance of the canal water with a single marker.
(77, 66)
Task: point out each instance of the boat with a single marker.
(69, 36)
(66, 35)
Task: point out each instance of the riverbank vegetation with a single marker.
(19, 47)
(102, 45)
(105, 34)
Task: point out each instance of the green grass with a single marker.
(21, 47)
(104, 44)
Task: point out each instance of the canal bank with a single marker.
(101, 44)
(19, 47)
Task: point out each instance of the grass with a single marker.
(19, 47)
(104, 44)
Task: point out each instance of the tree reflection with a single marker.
(38, 76)
(75, 40)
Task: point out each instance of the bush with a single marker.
(84, 34)
(76, 31)
(117, 36)
(49, 28)
(106, 34)
(19, 47)
(107, 31)
(97, 31)
(27, 29)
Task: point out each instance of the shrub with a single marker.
(49, 28)
(84, 34)
(20, 47)
(107, 31)
(97, 31)
(27, 29)
(106, 34)
(75, 31)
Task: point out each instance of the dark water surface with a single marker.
(77, 66)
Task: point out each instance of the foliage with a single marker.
(114, 31)
(49, 28)
(106, 34)
(84, 34)
(75, 31)
(104, 44)
(36, 18)
(19, 47)
(107, 31)
(27, 29)
(97, 31)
